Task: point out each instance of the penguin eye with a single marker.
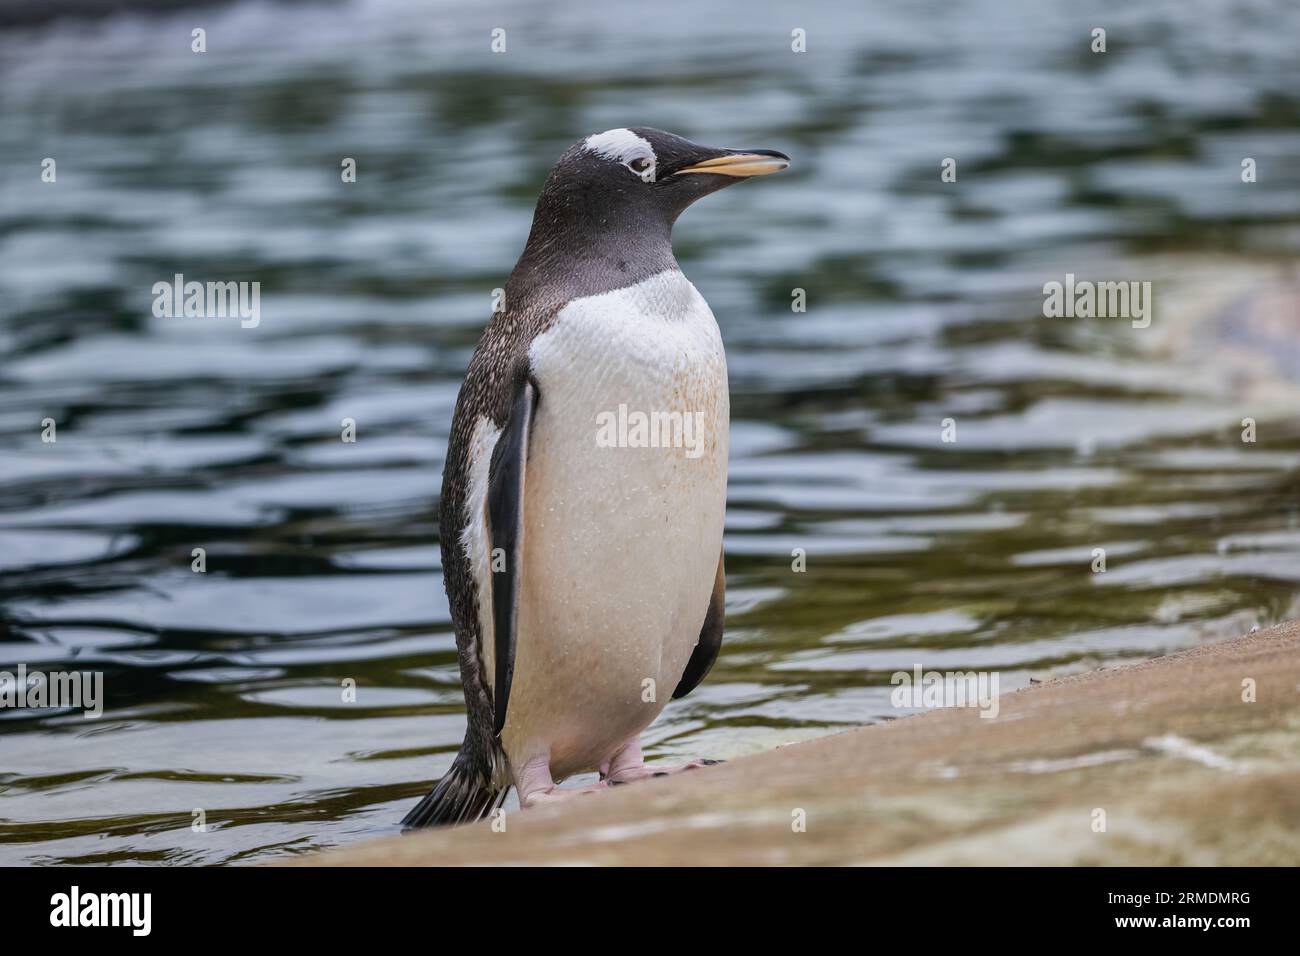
(641, 166)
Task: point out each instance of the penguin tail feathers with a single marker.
(461, 796)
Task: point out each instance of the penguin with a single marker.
(585, 482)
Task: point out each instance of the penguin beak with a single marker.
(740, 163)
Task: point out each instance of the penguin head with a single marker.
(640, 178)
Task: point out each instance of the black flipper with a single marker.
(505, 519)
(706, 651)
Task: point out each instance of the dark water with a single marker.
(223, 689)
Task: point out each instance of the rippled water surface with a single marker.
(924, 303)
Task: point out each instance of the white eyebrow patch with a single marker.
(620, 145)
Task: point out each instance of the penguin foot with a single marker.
(626, 774)
(554, 794)
(628, 764)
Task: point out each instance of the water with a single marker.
(924, 302)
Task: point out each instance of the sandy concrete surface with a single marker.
(1166, 754)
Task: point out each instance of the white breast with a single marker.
(623, 524)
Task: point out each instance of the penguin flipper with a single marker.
(706, 651)
(505, 520)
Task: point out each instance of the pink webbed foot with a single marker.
(628, 765)
(554, 794)
(536, 788)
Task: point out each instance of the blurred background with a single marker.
(924, 302)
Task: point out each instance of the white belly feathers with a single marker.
(624, 503)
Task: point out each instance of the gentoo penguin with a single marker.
(581, 547)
